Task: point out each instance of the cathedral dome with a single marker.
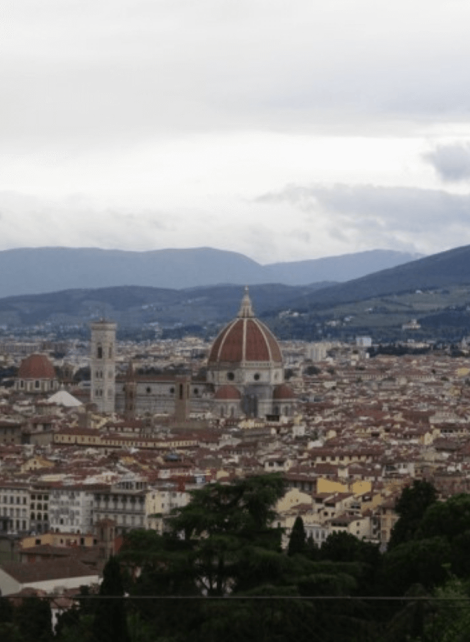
(36, 366)
(245, 340)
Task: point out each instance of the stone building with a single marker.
(246, 368)
(102, 365)
(70, 509)
(123, 503)
(36, 375)
(245, 376)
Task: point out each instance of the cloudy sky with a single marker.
(280, 129)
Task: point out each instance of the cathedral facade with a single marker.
(245, 376)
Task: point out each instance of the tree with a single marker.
(449, 519)
(226, 526)
(33, 618)
(312, 370)
(223, 544)
(298, 539)
(424, 561)
(109, 624)
(340, 547)
(8, 631)
(411, 507)
(220, 544)
(75, 624)
(450, 621)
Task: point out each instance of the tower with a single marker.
(130, 389)
(182, 398)
(102, 364)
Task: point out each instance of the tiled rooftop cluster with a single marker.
(363, 429)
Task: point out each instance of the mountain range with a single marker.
(436, 271)
(435, 289)
(50, 269)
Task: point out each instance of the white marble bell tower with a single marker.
(103, 364)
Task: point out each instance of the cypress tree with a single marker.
(298, 538)
(110, 623)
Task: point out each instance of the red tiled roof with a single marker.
(228, 392)
(283, 391)
(245, 339)
(50, 570)
(36, 366)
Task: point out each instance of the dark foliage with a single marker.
(411, 507)
(110, 623)
(298, 539)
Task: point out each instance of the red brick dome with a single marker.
(283, 391)
(228, 393)
(36, 366)
(244, 340)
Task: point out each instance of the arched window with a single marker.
(99, 352)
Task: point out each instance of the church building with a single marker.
(245, 376)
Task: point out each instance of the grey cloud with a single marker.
(147, 69)
(74, 222)
(390, 217)
(451, 162)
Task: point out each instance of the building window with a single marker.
(99, 352)
(230, 376)
(256, 376)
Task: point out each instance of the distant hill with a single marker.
(436, 271)
(435, 290)
(41, 270)
(136, 306)
(335, 268)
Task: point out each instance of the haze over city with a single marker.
(280, 130)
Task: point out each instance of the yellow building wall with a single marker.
(292, 498)
(57, 539)
(358, 487)
(329, 486)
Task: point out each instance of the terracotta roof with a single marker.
(283, 391)
(228, 392)
(246, 339)
(36, 366)
(43, 571)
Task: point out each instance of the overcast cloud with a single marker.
(451, 162)
(154, 123)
